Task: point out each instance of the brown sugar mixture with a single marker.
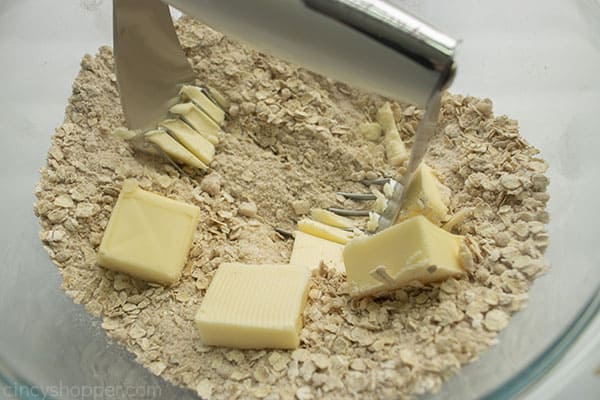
(292, 141)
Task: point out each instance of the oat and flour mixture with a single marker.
(292, 142)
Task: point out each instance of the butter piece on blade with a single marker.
(174, 149)
(395, 149)
(198, 120)
(219, 98)
(148, 236)
(197, 95)
(380, 203)
(329, 218)
(324, 231)
(414, 249)
(309, 251)
(254, 306)
(423, 196)
(190, 139)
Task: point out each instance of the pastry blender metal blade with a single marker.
(150, 65)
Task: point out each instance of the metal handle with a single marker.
(396, 29)
(369, 44)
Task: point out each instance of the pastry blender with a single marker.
(371, 44)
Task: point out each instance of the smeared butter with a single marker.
(254, 306)
(414, 249)
(309, 251)
(190, 139)
(370, 130)
(380, 203)
(395, 149)
(423, 196)
(148, 236)
(191, 114)
(373, 222)
(196, 94)
(324, 231)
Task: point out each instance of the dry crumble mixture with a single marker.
(292, 142)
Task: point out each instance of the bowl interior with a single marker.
(537, 61)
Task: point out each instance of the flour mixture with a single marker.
(293, 141)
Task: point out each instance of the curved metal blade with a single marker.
(425, 132)
(423, 136)
(150, 65)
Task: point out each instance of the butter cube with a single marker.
(174, 149)
(148, 236)
(414, 249)
(423, 196)
(309, 251)
(198, 120)
(197, 144)
(254, 306)
(324, 231)
(195, 94)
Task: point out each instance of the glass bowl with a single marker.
(538, 61)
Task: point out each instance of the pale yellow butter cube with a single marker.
(198, 120)
(309, 251)
(148, 236)
(324, 231)
(414, 249)
(254, 306)
(195, 94)
(423, 196)
(192, 140)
